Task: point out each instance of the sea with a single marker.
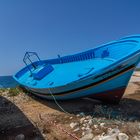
(7, 82)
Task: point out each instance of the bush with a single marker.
(13, 92)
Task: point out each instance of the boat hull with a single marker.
(109, 72)
(108, 90)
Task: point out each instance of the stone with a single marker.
(84, 124)
(112, 137)
(102, 124)
(85, 121)
(83, 128)
(77, 129)
(90, 122)
(113, 131)
(78, 115)
(87, 137)
(136, 138)
(72, 125)
(20, 137)
(88, 117)
(122, 136)
(97, 138)
(82, 119)
(95, 126)
(88, 131)
(71, 118)
(83, 133)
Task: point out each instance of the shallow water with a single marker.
(7, 82)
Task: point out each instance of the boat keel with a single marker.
(112, 97)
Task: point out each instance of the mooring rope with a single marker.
(56, 102)
(56, 125)
(73, 136)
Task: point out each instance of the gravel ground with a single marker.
(25, 117)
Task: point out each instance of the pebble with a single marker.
(95, 126)
(84, 124)
(83, 128)
(82, 119)
(83, 133)
(87, 137)
(20, 137)
(77, 129)
(88, 117)
(122, 136)
(113, 137)
(136, 138)
(78, 115)
(71, 118)
(85, 121)
(72, 125)
(102, 124)
(90, 122)
(113, 131)
(97, 138)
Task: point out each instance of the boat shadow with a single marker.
(126, 110)
(14, 123)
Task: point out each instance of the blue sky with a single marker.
(52, 27)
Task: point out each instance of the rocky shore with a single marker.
(25, 117)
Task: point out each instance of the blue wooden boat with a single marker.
(101, 73)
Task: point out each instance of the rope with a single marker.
(60, 128)
(56, 102)
(56, 125)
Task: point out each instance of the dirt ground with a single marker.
(24, 116)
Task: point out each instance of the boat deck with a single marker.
(67, 72)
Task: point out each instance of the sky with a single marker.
(51, 27)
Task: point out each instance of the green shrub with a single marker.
(13, 92)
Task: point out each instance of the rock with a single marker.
(88, 117)
(95, 126)
(122, 136)
(71, 118)
(97, 138)
(83, 128)
(87, 137)
(102, 124)
(90, 122)
(78, 115)
(87, 128)
(88, 131)
(82, 119)
(113, 137)
(84, 124)
(85, 121)
(44, 135)
(136, 138)
(77, 129)
(83, 133)
(113, 131)
(20, 137)
(72, 125)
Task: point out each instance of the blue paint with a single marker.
(83, 69)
